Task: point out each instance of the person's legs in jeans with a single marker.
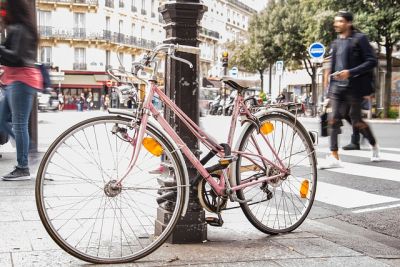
(20, 101)
(335, 121)
(5, 114)
(359, 124)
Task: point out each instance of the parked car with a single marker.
(47, 101)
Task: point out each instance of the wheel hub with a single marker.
(272, 171)
(112, 189)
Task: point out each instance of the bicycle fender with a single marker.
(150, 123)
(246, 125)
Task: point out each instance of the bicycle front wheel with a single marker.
(279, 205)
(83, 208)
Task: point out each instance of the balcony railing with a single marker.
(81, 2)
(134, 9)
(109, 3)
(45, 31)
(79, 33)
(105, 35)
(209, 33)
(80, 66)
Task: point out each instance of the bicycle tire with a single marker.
(278, 191)
(146, 241)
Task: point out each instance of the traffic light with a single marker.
(225, 59)
(3, 11)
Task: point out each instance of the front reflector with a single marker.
(152, 146)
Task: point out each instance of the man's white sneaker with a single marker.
(375, 154)
(330, 162)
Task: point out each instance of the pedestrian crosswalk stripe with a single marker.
(377, 208)
(364, 154)
(348, 198)
(390, 149)
(374, 172)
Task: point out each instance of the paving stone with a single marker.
(5, 259)
(45, 259)
(334, 262)
(221, 252)
(316, 247)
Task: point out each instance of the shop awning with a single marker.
(82, 81)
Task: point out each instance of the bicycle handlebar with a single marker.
(187, 49)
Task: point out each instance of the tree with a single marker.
(259, 53)
(380, 19)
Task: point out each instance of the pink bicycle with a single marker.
(99, 197)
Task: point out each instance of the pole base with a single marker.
(189, 229)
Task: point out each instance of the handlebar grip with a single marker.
(187, 49)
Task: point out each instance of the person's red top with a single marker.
(28, 75)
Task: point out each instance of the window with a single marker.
(108, 21)
(80, 56)
(44, 18)
(143, 11)
(45, 28)
(121, 60)
(45, 54)
(109, 3)
(79, 25)
(121, 26)
(79, 20)
(133, 6)
(121, 4)
(108, 59)
(153, 14)
(133, 29)
(80, 59)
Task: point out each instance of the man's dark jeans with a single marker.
(344, 103)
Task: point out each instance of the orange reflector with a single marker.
(152, 146)
(304, 189)
(267, 128)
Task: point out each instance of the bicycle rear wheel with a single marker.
(282, 204)
(83, 209)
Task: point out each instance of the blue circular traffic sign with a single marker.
(316, 50)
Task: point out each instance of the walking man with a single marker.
(353, 60)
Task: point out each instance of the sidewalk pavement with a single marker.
(318, 242)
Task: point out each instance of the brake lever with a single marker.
(182, 60)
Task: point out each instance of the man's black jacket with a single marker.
(19, 48)
(360, 61)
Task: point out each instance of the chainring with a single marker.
(209, 200)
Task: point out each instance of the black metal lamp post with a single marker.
(33, 119)
(182, 19)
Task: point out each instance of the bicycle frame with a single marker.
(219, 187)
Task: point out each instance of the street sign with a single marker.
(279, 67)
(56, 76)
(316, 50)
(234, 72)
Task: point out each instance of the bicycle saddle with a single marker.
(234, 83)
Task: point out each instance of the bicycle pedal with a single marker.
(213, 221)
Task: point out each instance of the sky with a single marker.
(256, 4)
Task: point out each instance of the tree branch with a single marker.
(307, 68)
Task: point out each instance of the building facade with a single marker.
(84, 38)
